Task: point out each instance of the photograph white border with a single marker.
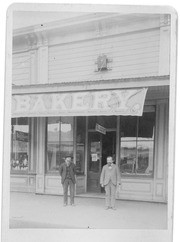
(83, 235)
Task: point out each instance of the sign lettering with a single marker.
(115, 102)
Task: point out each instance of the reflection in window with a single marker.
(128, 156)
(137, 143)
(19, 144)
(59, 141)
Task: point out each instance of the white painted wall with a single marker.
(131, 55)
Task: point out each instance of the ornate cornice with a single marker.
(97, 25)
(165, 20)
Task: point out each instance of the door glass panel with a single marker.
(95, 153)
(94, 162)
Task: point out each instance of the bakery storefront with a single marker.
(91, 86)
(89, 126)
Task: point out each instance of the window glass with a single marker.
(20, 144)
(59, 141)
(66, 137)
(137, 143)
(128, 157)
(95, 152)
(145, 157)
(128, 128)
(53, 140)
(146, 126)
(80, 145)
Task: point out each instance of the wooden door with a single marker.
(94, 162)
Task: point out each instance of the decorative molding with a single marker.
(40, 184)
(165, 20)
(159, 189)
(92, 85)
(137, 187)
(42, 65)
(88, 27)
(164, 50)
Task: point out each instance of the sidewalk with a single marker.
(46, 211)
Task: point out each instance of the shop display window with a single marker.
(137, 143)
(59, 141)
(20, 143)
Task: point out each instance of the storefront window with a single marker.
(137, 143)
(80, 144)
(59, 141)
(20, 143)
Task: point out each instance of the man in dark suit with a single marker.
(67, 172)
(110, 179)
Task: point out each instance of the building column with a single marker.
(164, 45)
(33, 67)
(161, 153)
(43, 65)
(40, 166)
(32, 156)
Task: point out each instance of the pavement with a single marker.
(46, 211)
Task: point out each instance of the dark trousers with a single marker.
(68, 183)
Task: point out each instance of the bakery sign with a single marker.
(111, 102)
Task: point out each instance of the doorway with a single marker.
(99, 147)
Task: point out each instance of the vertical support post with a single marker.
(33, 67)
(86, 154)
(118, 140)
(164, 45)
(74, 139)
(43, 65)
(74, 149)
(161, 156)
(40, 168)
(31, 144)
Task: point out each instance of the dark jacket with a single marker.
(72, 171)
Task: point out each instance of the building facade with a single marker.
(69, 79)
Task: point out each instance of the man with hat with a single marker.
(110, 179)
(67, 172)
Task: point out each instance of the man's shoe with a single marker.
(72, 204)
(65, 204)
(106, 208)
(113, 208)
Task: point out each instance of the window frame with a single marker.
(136, 175)
(23, 172)
(55, 172)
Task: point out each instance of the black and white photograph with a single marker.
(90, 116)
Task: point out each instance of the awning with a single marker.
(91, 103)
